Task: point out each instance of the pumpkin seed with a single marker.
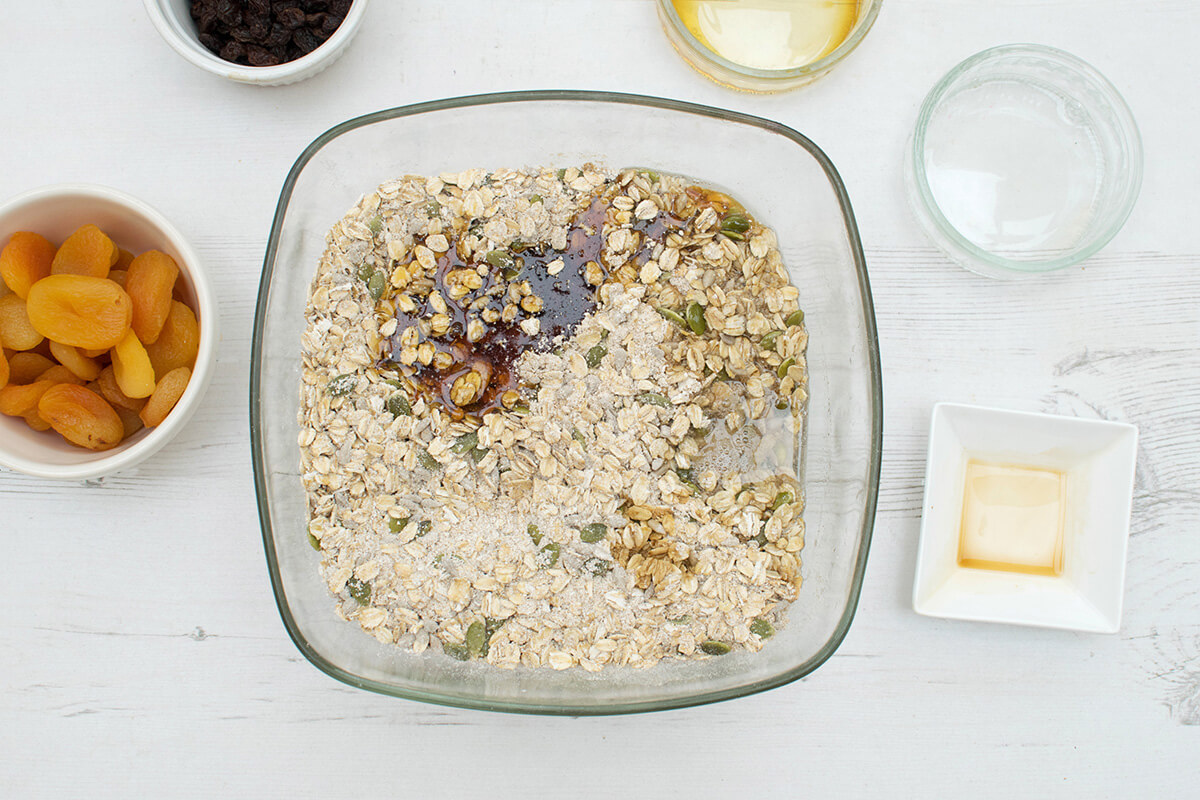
(715, 648)
(595, 356)
(478, 453)
(500, 259)
(432, 208)
(423, 527)
(427, 461)
(673, 316)
(395, 525)
(458, 652)
(360, 590)
(466, 442)
(579, 437)
(490, 626)
(783, 498)
(376, 224)
(597, 566)
(314, 541)
(768, 340)
(399, 406)
(783, 368)
(475, 638)
(547, 557)
(688, 478)
(795, 318)
(653, 399)
(735, 225)
(536, 198)
(375, 286)
(695, 318)
(342, 385)
(534, 533)
(593, 532)
(762, 629)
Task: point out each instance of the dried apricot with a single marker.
(87, 251)
(124, 259)
(60, 374)
(26, 367)
(86, 368)
(16, 330)
(166, 395)
(35, 421)
(80, 311)
(178, 342)
(81, 416)
(3, 370)
(94, 352)
(118, 276)
(18, 399)
(132, 368)
(130, 420)
(149, 282)
(111, 392)
(25, 260)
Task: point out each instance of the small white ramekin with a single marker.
(54, 212)
(173, 20)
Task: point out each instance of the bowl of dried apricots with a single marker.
(107, 331)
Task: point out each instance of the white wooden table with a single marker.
(141, 654)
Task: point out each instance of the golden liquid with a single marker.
(769, 34)
(1012, 519)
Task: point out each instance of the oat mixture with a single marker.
(550, 418)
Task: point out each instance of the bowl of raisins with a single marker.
(108, 331)
(262, 42)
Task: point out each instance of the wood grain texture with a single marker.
(141, 653)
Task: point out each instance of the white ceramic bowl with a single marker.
(54, 212)
(173, 20)
(1097, 460)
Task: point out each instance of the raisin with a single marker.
(87, 251)
(178, 342)
(25, 260)
(166, 395)
(291, 18)
(79, 310)
(17, 331)
(149, 282)
(233, 51)
(81, 416)
(306, 40)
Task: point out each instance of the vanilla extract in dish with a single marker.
(1012, 519)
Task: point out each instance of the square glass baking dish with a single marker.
(781, 177)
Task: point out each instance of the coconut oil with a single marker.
(769, 34)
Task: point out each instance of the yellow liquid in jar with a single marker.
(1012, 519)
(769, 34)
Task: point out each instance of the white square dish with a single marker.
(1096, 459)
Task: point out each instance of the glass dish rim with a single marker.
(818, 67)
(875, 379)
(932, 211)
